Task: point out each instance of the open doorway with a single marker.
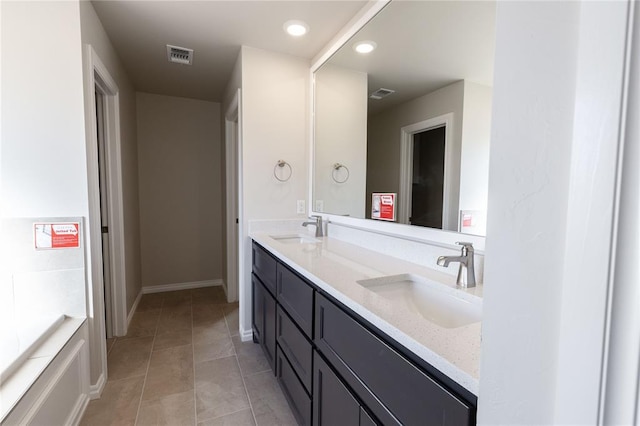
(428, 176)
(232, 144)
(106, 251)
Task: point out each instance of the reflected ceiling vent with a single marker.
(381, 93)
(179, 55)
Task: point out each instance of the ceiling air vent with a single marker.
(381, 93)
(179, 55)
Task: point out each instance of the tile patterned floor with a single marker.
(182, 363)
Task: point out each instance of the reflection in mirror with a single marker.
(411, 118)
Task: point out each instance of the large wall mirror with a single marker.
(409, 122)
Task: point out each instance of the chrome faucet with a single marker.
(466, 262)
(317, 222)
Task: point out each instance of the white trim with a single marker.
(406, 169)
(232, 137)
(246, 335)
(363, 16)
(133, 308)
(75, 416)
(180, 286)
(95, 391)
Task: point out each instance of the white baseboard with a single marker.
(246, 335)
(95, 391)
(133, 308)
(180, 286)
(78, 411)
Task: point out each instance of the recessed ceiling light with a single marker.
(366, 46)
(296, 28)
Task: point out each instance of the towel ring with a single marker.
(281, 164)
(336, 168)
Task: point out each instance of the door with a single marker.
(104, 209)
(427, 186)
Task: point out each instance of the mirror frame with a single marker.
(433, 236)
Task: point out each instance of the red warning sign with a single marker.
(383, 206)
(57, 235)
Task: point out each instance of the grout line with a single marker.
(246, 391)
(146, 374)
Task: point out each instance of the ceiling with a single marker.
(140, 31)
(423, 46)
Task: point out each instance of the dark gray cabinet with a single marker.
(264, 320)
(299, 400)
(296, 296)
(394, 389)
(295, 346)
(337, 369)
(333, 403)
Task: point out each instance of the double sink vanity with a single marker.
(358, 337)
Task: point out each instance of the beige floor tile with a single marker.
(172, 338)
(219, 388)
(118, 404)
(177, 298)
(209, 332)
(209, 295)
(174, 319)
(240, 418)
(232, 318)
(173, 410)
(150, 302)
(144, 323)
(129, 358)
(250, 357)
(170, 372)
(267, 400)
(208, 314)
(219, 348)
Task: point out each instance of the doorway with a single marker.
(428, 175)
(427, 186)
(232, 154)
(101, 120)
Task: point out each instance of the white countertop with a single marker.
(335, 266)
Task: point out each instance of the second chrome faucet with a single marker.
(466, 272)
(317, 222)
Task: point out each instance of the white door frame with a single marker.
(232, 143)
(406, 169)
(96, 71)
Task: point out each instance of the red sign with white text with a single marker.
(57, 235)
(383, 206)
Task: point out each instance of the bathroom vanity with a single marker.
(346, 351)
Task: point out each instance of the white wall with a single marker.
(179, 154)
(275, 93)
(533, 109)
(94, 34)
(474, 155)
(43, 142)
(384, 139)
(340, 137)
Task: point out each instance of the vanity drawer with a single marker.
(296, 297)
(296, 347)
(264, 266)
(296, 395)
(393, 388)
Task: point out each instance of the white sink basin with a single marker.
(423, 297)
(295, 239)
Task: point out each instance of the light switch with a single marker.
(319, 206)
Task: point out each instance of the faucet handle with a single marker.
(465, 246)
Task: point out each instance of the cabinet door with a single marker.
(394, 389)
(295, 295)
(264, 266)
(264, 320)
(333, 404)
(296, 395)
